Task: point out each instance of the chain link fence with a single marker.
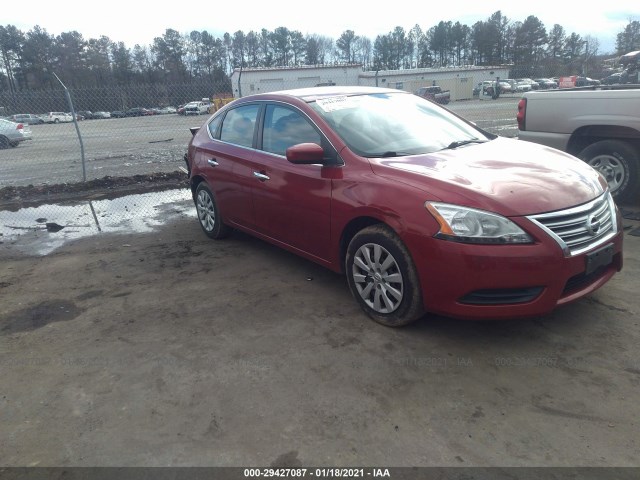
(121, 132)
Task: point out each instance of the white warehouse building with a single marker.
(459, 80)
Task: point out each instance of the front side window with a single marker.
(284, 127)
(239, 125)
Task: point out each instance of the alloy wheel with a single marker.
(377, 277)
(206, 211)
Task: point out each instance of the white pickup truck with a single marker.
(57, 117)
(599, 126)
(197, 108)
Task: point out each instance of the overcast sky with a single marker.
(139, 22)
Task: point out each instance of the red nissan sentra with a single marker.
(420, 209)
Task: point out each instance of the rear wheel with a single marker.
(4, 142)
(383, 278)
(208, 214)
(617, 161)
(57, 120)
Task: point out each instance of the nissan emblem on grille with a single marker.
(593, 225)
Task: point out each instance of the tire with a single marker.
(208, 216)
(4, 142)
(618, 162)
(14, 144)
(57, 120)
(383, 278)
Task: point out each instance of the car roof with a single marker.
(314, 93)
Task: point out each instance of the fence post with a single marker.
(75, 122)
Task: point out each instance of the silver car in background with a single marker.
(12, 133)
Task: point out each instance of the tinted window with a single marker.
(284, 128)
(213, 126)
(239, 124)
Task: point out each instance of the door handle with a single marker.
(213, 162)
(261, 176)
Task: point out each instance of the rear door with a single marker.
(223, 156)
(292, 203)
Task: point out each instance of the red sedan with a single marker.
(422, 210)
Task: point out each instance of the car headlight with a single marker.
(468, 225)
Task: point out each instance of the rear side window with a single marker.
(239, 125)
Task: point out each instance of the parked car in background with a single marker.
(631, 72)
(586, 82)
(12, 133)
(167, 110)
(137, 112)
(118, 114)
(518, 87)
(197, 108)
(58, 117)
(86, 114)
(26, 118)
(420, 209)
(488, 86)
(435, 93)
(545, 83)
(612, 79)
(599, 126)
(534, 84)
(101, 114)
(505, 87)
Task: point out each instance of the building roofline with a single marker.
(414, 71)
(298, 67)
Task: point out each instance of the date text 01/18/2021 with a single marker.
(317, 472)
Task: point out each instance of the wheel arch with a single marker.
(194, 182)
(587, 135)
(352, 228)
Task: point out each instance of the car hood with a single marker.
(506, 176)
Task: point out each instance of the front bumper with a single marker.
(505, 281)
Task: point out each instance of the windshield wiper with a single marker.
(460, 143)
(390, 154)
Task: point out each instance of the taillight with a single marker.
(19, 126)
(522, 113)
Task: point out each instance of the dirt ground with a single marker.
(165, 348)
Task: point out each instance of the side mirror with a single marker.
(305, 154)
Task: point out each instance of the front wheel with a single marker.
(208, 214)
(57, 120)
(617, 161)
(383, 278)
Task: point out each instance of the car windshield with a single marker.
(394, 124)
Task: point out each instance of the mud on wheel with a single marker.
(382, 277)
(208, 214)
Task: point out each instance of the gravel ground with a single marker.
(160, 347)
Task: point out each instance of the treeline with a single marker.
(28, 60)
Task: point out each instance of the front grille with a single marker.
(581, 228)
